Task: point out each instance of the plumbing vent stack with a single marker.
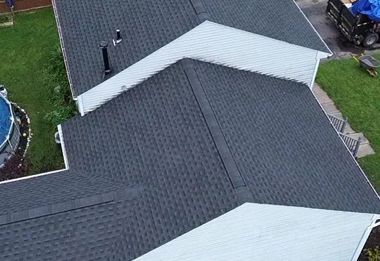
(103, 46)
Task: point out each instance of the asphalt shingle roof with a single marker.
(281, 20)
(155, 162)
(147, 25)
(282, 142)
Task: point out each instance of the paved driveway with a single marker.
(315, 11)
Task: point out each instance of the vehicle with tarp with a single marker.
(358, 21)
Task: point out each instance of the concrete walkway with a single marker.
(330, 108)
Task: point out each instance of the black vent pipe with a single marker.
(103, 46)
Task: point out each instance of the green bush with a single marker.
(64, 107)
(4, 19)
(373, 254)
(60, 114)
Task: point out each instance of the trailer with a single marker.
(357, 28)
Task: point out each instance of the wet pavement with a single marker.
(315, 11)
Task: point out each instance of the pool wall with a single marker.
(7, 135)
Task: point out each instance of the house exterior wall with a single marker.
(214, 43)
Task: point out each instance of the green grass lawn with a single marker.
(25, 69)
(357, 95)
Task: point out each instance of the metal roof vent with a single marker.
(118, 37)
(103, 46)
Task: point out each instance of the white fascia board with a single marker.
(323, 55)
(365, 237)
(79, 104)
(319, 56)
(63, 147)
(269, 232)
(214, 43)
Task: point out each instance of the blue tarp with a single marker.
(371, 8)
(5, 120)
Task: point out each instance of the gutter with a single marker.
(312, 26)
(63, 49)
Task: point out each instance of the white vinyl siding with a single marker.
(217, 44)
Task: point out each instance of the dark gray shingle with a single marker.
(283, 143)
(154, 143)
(281, 20)
(147, 25)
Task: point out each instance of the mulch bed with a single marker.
(24, 126)
(372, 242)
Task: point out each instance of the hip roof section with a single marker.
(188, 145)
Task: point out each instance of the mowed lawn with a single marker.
(357, 95)
(24, 59)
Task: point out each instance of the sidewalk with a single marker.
(330, 108)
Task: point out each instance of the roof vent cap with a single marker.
(118, 39)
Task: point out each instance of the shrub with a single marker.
(60, 114)
(64, 107)
(4, 19)
(373, 254)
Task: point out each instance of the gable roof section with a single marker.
(148, 25)
(157, 150)
(269, 232)
(213, 43)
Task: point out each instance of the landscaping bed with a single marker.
(357, 96)
(32, 69)
(371, 250)
(6, 20)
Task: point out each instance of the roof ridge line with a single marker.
(200, 10)
(233, 172)
(70, 205)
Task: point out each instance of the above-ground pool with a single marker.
(6, 122)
